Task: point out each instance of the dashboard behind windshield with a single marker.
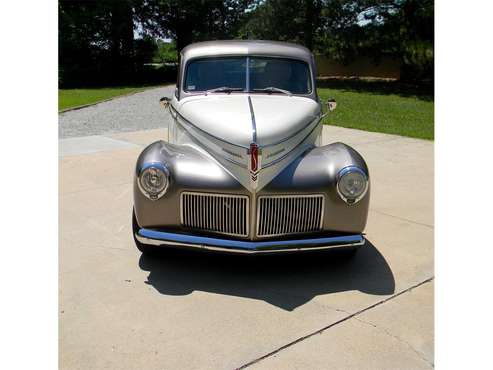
(251, 74)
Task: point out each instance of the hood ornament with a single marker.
(254, 164)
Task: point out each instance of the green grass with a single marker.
(381, 109)
(71, 98)
(386, 107)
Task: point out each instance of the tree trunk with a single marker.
(122, 40)
(309, 23)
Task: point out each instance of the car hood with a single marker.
(241, 119)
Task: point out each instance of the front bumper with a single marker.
(161, 238)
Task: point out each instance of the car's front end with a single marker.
(243, 171)
(311, 204)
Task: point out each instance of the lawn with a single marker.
(387, 107)
(381, 107)
(70, 98)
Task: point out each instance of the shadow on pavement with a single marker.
(286, 281)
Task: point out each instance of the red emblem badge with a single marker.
(253, 157)
(255, 154)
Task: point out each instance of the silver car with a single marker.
(244, 170)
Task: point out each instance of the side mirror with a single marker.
(164, 101)
(331, 104)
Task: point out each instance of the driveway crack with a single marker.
(402, 218)
(320, 331)
(387, 332)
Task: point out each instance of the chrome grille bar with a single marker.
(289, 214)
(221, 213)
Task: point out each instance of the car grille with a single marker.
(289, 214)
(221, 213)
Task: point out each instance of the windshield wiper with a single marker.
(272, 89)
(225, 89)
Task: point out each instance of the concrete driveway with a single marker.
(120, 310)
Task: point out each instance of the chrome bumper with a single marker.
(161, 238)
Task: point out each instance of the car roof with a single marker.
(246, 47)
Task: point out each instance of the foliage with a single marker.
(145, 50)
(95, 39)
(283, 20)
(110, 42)
(404, 29)
(345, 29)
(187, 21)
(166, 52)
(97, 43)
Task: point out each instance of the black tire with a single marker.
(148, 250)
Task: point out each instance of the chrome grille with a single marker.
(221, 213)
(289, 214)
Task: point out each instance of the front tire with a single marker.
(148, 250)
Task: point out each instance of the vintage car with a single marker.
(243, 169)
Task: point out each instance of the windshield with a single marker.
(268, 75)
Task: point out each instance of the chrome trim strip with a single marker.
(279, 213)
(232, 223)
(205, 132)
(273, 162)
(157, 238)
(254, 124)
(231, 153)
(294, 134)
(242, 146)
(197, 141)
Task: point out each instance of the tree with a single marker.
(146, 49)
(166, 52)
(187, 21)
(346, 29)
(283, 20)
(96, 38)
(404, 29)
(324, 26)
(83, 38)
(122, 35)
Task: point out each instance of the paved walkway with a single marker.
(120, 310)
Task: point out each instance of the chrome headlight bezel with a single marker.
(166, 174)
(345, 171)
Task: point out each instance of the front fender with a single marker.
(190, 170)
(316, 172)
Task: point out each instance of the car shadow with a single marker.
(286, 281)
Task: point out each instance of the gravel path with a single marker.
(140, 111)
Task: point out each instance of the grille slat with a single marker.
(221, 213)
(289, 214)
(229, 214)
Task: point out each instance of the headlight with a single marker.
(352, 184)
(153, 180)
